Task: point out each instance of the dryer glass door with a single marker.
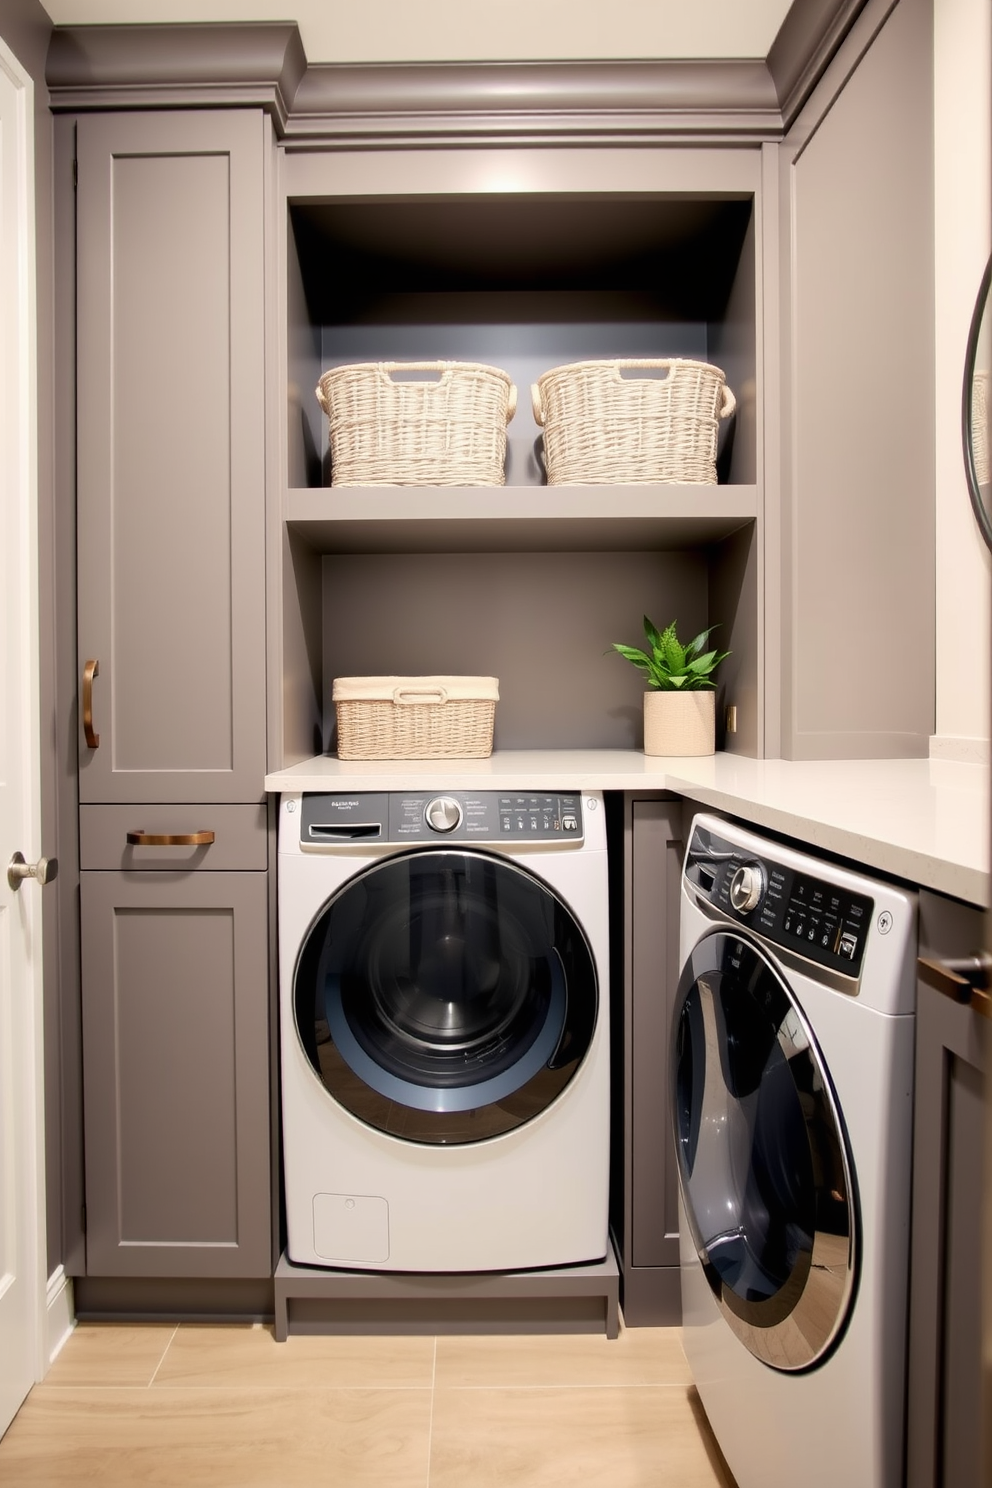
(764, 1168)
(445, 996)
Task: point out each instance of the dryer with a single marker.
(444, 1029)
(792, 1083)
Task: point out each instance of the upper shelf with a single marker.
(526, 519)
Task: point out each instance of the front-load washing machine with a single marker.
(444, 1029)
(792, 1080)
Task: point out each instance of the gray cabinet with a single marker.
(648, 845)
(173, 842)
(856, 536)
(649, 251)
(944, 1448)
(176, 1088)
(170, 456)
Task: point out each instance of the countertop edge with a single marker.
(814, 803)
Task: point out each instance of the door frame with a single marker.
(23, 365)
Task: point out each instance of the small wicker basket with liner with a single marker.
(415, 717)
(603, 427)
(388, 426)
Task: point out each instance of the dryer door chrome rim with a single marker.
(764, 1166)
(445, 996)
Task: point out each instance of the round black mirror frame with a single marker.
(982, 515)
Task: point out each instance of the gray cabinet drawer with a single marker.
(239, 832)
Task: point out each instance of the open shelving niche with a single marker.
(597, 253)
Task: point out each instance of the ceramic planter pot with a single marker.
(680, 722)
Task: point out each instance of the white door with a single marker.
(22, 1272)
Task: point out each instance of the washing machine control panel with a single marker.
(817, 919)
(329, 820)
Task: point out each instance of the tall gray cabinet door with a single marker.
(170, 448)
(176, 1103)
(858, 348)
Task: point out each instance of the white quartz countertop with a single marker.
(925, 821)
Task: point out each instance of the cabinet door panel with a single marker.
(858, 351)
(170, 455)
(175, 1051)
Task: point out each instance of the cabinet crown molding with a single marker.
(235, 64)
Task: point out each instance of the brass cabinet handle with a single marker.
(170, 839)
(90, 670)
(964, 979)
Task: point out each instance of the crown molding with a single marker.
(176, 66)
(225, 65)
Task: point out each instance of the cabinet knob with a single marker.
(964, 979)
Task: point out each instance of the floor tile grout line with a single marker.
(171, 1340)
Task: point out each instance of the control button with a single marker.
(747, 887)
(443, 814)
(569, 823)
(848, 945)
(884, 922)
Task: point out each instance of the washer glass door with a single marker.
(445, 996)
(764, 1168)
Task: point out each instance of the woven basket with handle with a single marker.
(389, 425)
(415, 717)
(604, 423)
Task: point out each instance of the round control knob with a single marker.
(747, 887)
(443, 814)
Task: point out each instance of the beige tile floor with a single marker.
(227, 1406)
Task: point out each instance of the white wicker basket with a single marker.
(415, 717)
(601, 426)
(386, 430)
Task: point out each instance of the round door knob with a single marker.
(443, 814)
(747, 887)
(18, 870)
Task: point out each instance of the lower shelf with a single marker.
(573, 1299)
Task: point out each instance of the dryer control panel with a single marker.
(822, 921)
(339, 819)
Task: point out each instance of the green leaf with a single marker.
(652, 634)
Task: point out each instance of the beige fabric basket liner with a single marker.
(435, 717)
(605, 424)
(449, 430)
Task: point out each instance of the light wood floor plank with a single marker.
(248, 1355)
(111, 1354)
(628, 1437)
(640, 1356)
(218, 1439)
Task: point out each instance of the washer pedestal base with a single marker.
(573, 1299)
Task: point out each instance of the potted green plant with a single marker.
(680, 701)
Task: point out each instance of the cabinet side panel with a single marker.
(657, 857)
(860, 594)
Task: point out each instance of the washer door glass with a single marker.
(764, 1168)
(445, 996)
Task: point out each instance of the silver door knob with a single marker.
(44, 870)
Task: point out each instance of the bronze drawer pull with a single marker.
(169, 839)
(964, 979)
(90, 670)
